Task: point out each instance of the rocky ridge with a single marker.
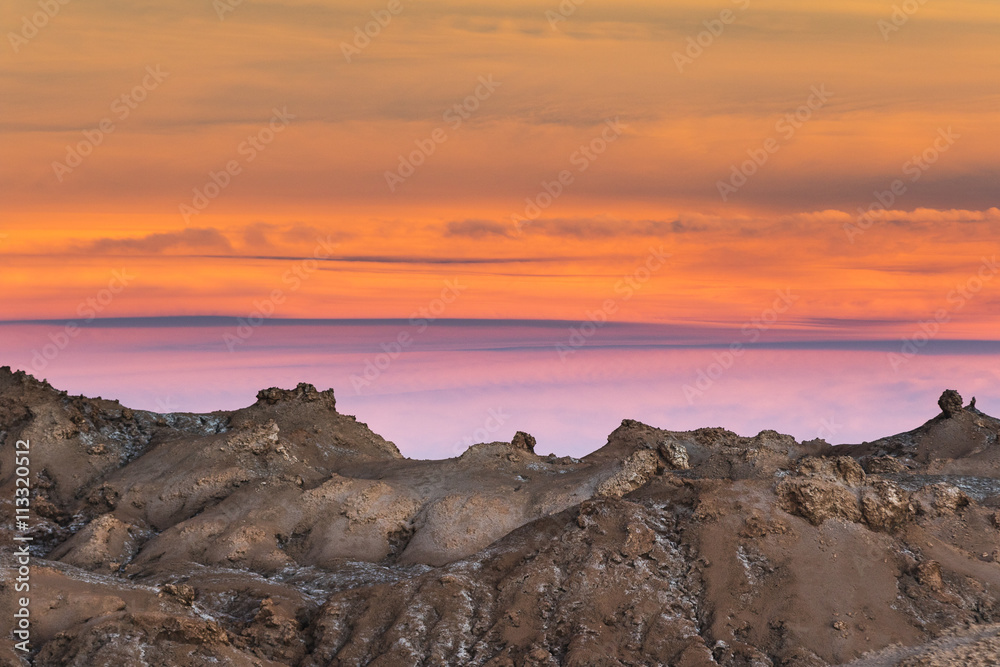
(287, 533)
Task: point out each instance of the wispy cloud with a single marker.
(577, 228)
(187, 239)
(478, 229)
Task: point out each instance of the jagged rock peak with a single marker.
(22, 378)
(950, 402)
(524, 441)
(303, 392)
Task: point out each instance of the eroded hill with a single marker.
(287, 533)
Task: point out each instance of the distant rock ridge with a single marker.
(953, 442)
(8, 375)
(303, 392)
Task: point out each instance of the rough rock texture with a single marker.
(818, 500)
(634, 472)
(950, 402)
(523, 441)
(885, 506)
(103, 545)
(289, 534)
(674, 454)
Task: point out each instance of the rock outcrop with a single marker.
(287, 533)
(950, 403)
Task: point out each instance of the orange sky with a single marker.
(656, 185)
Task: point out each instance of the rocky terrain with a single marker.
(287, 533)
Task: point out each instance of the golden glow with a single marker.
(323, 175)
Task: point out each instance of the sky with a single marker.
(568, 189)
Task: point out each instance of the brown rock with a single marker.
(885, 506)
(256, 438)
(817, 500)
(929, 575)
(674, 454)
(275, 634)
(757, 526)
(523, 441)
(637, 469)
(950, 402)
(941, 499)
(181, 592)
(303, 392)
(638, 542)
(885, 465)
(841, 468)
(102, 545)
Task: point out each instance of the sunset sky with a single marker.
(674, 167)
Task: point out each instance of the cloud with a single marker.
(577, 228)
(391, 259)
(808, 223)
(477, 229)
(601, 228)
(269, 235)
(193, 238)
(255, 237)
(255, 234)
(851, 323)
(917, 215)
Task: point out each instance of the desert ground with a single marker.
(286, 533)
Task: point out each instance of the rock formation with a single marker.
(951, 402)
(287, 533)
